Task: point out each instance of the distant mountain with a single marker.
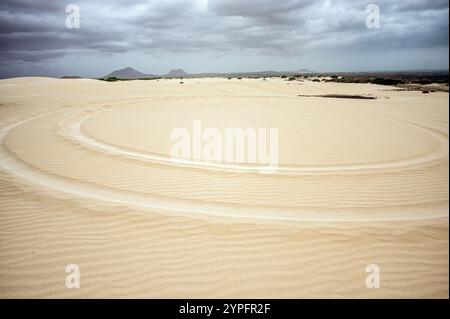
(176, 73)
(304, 71)
(129, 73)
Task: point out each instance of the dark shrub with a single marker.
(112, 79)
(382, 81)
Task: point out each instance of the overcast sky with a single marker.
(154, 36)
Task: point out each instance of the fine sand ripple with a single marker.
(365, 179)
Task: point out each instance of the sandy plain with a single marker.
(85, 179)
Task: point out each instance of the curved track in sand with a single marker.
(77, 133)
(342, 207)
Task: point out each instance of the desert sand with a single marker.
(85, 178)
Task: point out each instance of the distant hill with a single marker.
(129, 73)
(176, 73)
(304, 71)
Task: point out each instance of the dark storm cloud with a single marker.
(31, 5)
(34, 31)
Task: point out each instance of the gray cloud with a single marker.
(256, 8)
(162, 33)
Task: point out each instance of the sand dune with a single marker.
(86, 178)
